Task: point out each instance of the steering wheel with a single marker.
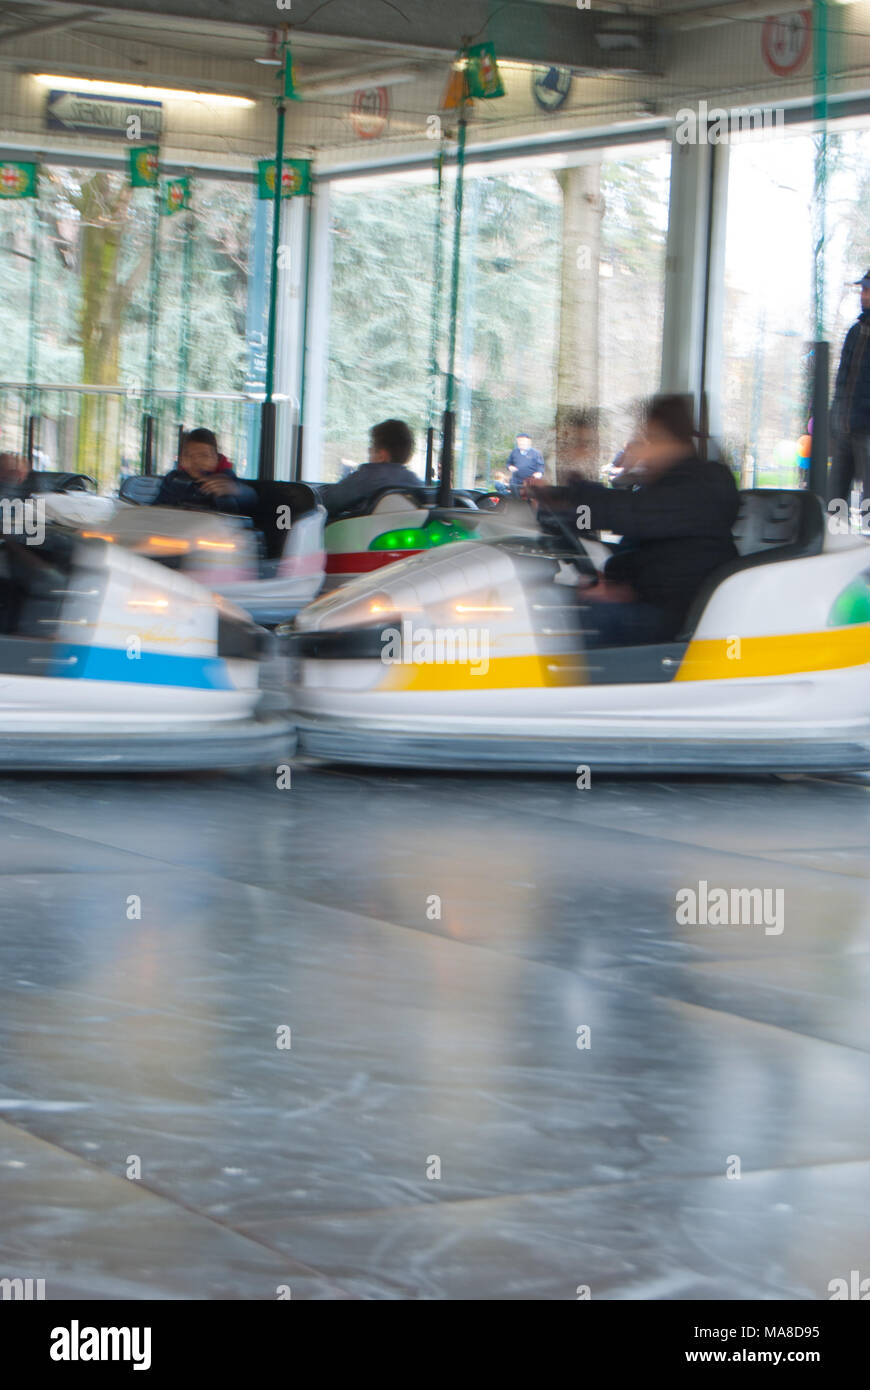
(558, 524)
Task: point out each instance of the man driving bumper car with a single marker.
(675, 529)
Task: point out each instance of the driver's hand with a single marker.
(532, 486)
(219, 487)
(606, 591)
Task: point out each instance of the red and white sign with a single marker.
(370, 112)
(786, 40)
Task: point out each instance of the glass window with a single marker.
(767, 307)
(561, 279)
(87, 271)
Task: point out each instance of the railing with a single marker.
(111, 432)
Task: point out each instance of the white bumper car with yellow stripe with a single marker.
(110, 661)
(474, 657)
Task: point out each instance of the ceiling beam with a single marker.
(522, 30)
(45, 25)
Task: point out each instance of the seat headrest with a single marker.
(771, 517)
(395, 502)
(141, 488)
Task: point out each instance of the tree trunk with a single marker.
(103, 210)
(577, 377)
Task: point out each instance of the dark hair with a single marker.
(200, 436)
(395, 437)
(672, 414)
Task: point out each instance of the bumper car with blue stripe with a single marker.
(110, 661)
(274, 563)
(474, 657)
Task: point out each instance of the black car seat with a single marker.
(59, 482)
(772, 524)
(366, 505)
(141, 489)
(267, 518)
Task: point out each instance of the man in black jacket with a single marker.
(850, 410)
(204, 478)
(675, 529)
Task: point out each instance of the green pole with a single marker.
(276, 238)
(436, 309)
(34, 297)
(449, 430)
(454, 275)
(151, 350)
(309, 215)
(820, 179)
(35, 264)
(266, 467)
(818, 471)
(186, 291)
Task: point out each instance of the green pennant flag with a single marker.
(176, 196)
(145, 166)
(484, 78)
(18, 180)
(289, 76)
(295, 178)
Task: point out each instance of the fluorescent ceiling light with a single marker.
(130, 89)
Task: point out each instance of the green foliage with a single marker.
(509, 304)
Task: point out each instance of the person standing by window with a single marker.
(850, 409)
(524, 462)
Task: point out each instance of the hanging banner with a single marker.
(370, 111)
(289, 76)
(484, 78)
(145, 166)
(295, 178)
(550, 87)
(456, 91)
(93, 114)
(176, 196)
(18, 180)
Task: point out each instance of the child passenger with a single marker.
(204, 478)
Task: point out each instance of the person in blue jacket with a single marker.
(391, 445)
(850, 409)
(524, 462)
(204, 478)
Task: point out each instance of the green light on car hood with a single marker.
(852, 605)
(419, 537)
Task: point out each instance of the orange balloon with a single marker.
(805, 446)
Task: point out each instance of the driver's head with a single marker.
(390, 442)
(667, 434)
(864, 282)
(199, 453)
(578, 438)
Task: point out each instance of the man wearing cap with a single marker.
(523, 463)
(850, 410)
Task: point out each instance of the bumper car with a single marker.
(274, 563)
(474, 657)
(110, 662)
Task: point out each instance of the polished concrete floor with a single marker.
(433, 1131)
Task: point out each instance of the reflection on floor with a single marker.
(380, 1036)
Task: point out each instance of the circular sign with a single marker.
(370, 112)
(786, 40)
(550, 87)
